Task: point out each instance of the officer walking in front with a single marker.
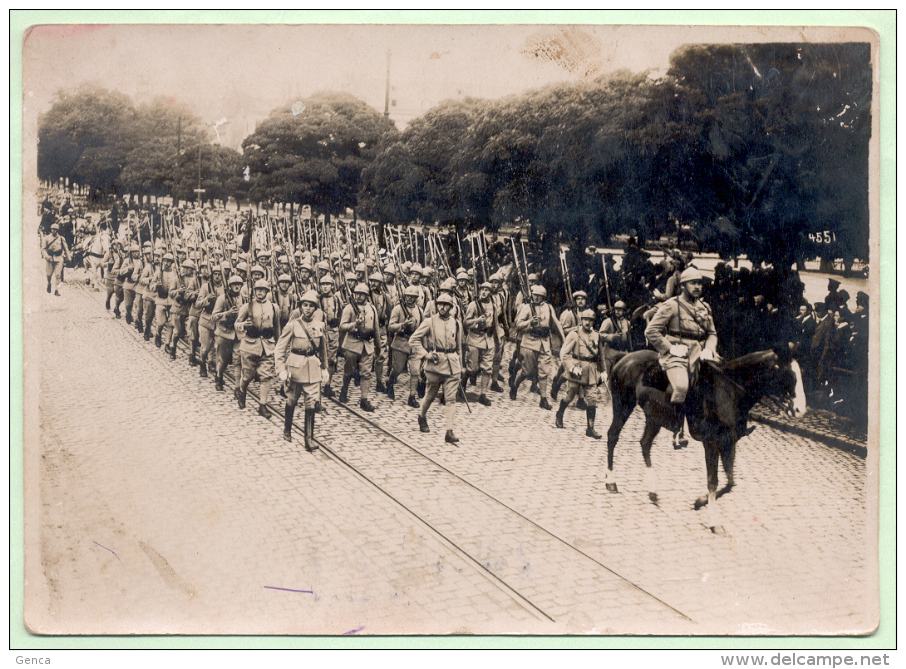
(55, 250)
(300, 358)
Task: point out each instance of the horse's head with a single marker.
(786, 383)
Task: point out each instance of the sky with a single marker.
(241, 72)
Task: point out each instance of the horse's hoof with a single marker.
(612, 487)
(653, 497)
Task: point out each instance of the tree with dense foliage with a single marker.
(313, 151)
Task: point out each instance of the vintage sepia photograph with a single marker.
(436, 329)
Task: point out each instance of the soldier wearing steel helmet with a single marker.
(55, 250)
(569, 321)
(149, 296)
(258, 324)
(358, 328)
(182, 296)
(300, 358)
(224, 314)
(439, 340)
(583, 360)
(615, 334)
(285, 297)
(130, 281)
(484, 335)
(164, 284)
(404, 318)
(330, 307)
(682, 332)
(208, 293)
(536, 321)
(382, 307)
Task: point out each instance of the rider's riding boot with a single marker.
(288, 412)
(590, 420)
(310, 444)
(344, 391)
(679, 438)
(559, 420)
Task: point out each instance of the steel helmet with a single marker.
(326, 279)
(580, 293)
(376, 276)
(448, 284)
(259, 269)
(587, 314)
(619, 304)
(487, 285)
(361, 288)
(235, 279)
(261, 283)
(310, 297)
(538, 289)
(410, 291)
(284, 278)
(690, 274)
(443, 298)
(188, 264)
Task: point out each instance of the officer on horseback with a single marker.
(682, 332)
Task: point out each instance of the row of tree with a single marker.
(759, 149)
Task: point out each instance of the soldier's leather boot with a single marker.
(544, 404)
(560, 411)
(484, 401)
(365, 405)
(263, 411)
(106, 304)
(218, 383)
(390, 393)
(203, 369)
(555, 385)
(496, 386)
(379, 387)
(590, 420)
(328, 391)
(173, 351)
(310, 443)
(412, 402)
(48, 290)
(157, 340)
(192, 359)
(534, 388)
(116, 312)
(450, 438)
(129, 317)
(357, 378)
(138, 324)
(423, 423)
(344, 391)
(240, 397)
(288, 412)
(148, 333)
(679, 437)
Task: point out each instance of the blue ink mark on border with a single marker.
(107, 549)
(355, 631)
(273, 587)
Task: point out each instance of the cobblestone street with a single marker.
(156, 505)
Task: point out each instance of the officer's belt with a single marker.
(364, 336)
(688, 335)
(446, 350)
(586, 358)
(540, 332)
(307, 352)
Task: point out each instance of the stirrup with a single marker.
(679, 440)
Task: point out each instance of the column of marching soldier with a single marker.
(274, 313)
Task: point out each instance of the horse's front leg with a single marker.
(712, 455)
(649, 476)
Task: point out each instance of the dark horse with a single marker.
(717, 406)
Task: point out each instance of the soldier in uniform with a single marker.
(165, 284)
(300, 357)
(285, 297)
(111, 262)
(207, 298)
(121, 272)
(569, 321)
(183, 296)
(226, 309)
(582, 358)
(358, 328)
(130, 281)
(439, 340)
(54, 250)
(682, 332)
(404, 318)
(536, 320)
(258, 323)
(501, 298)
(382, 307)
(202, 276)
(484, 333)
(615, 335)
(329, 310)
(149, 302)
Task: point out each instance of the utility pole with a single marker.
(387, 89)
